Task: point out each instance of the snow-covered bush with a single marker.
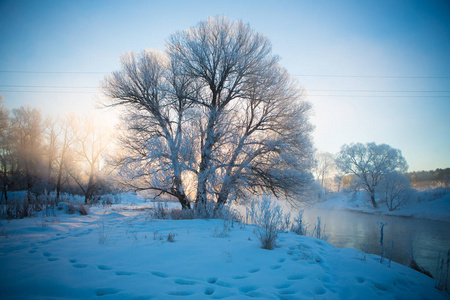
(160, 210)
(17, 208)
(442, 272)
(299, 226)
(319, 232)
(222, 232)
(268, 217)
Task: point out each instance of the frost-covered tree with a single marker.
(216, 105)
(156, 97)
(324, 165)
(394, 190)
(7, 161)
(27, 129)
(90, 141)
(370, 163)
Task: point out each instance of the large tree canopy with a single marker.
(370, 163)
(214, 112)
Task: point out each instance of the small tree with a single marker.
(90, 142)
(27, 129)
(324, 166)
(394, 190)
(370, 163)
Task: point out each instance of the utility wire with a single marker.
(51, 72)
(297, 75)
(306, 90)
(48, 86)
(313, 95)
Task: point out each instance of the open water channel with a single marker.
(356, 230)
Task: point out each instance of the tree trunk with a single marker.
(205, 162)
(5, 193)
(372, 197)
(58, 187)
(180, 194)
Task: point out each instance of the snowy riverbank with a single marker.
(117, 252)
(431, 205)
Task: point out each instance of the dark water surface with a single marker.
(360, 231)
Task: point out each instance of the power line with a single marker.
(328, 95)
(372, 76)
(380, 91)
(48, 92)
(307, 90)
(52, 72)
(382, 96)
(296, 75)
(47, 86)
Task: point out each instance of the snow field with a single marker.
(118, 253)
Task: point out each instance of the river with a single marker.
(360, 231)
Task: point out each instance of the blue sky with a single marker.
(405, 43)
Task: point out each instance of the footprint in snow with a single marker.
(254, 270)
(103, 267)
(52, 259)
(287, 292)
(276, 267)
(160, 274)
(212, 280)
(80, 266)
(209, 291)
(239, 277)
(32, 251)
(247, 289)
(106, 291)
(181, 293)
(47, 254)
(72, 261)
(185, 282)
(124, 273)
(283, 285)
(282, 260)
(296, 277)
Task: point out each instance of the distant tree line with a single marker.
(438, 177)
(40, 155)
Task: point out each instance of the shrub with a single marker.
(319, 232)
(82, 209)
(442, 272)
(171, 237)
(298, 226)
(268, 217)
(17, 208)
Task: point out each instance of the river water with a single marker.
(360, 231)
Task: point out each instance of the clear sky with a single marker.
(387, 63)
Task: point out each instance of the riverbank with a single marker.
(430, 205)
(118, 252)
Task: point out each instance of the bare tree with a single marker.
(27, 131)
(370, 163)
(233, 64)
(64, 141)
(324, 165)
(6, 159)
(51, 133)
(218, 107)
(90, 143)
(155, 96)
(394, 190)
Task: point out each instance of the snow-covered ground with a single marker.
(429, 205)
(118, 252)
